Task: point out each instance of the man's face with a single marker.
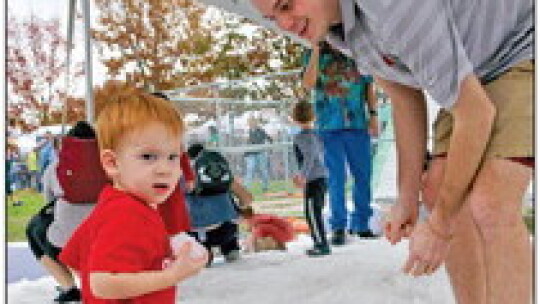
(308, 19)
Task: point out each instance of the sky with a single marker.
(45, 8)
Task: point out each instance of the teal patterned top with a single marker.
(340, 92)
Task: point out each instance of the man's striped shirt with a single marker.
(433, 44)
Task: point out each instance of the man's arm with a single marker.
(372, 101)
(410, 126)
(309, 79)
(473, 114)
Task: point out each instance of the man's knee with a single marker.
(496, 196)
(493, 215)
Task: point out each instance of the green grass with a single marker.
(18, 216)
(273, 186)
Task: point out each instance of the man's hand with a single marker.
(299, 181)
(428, 248)
(401, 221)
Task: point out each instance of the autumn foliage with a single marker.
(36, 51)
(166, 44)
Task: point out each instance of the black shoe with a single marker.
(71, 295)
(210, 257)
(318, 251)
(232, 256)
(368, 234)
(338, 237)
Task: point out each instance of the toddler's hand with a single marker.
(185, 265)
(197, 250)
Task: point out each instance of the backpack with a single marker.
(79, 170)
(213, 174)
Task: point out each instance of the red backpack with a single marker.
(79, 170)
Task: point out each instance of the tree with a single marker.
(165, 44)
(146, 41)
(35, 66)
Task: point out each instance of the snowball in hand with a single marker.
(197, 250)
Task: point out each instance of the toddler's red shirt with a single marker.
(122, 235)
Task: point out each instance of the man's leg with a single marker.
(263, 165)
(334, 157)
(496, 204)
(35, 180)
(465, 262)
(357, 150)
(250, 167)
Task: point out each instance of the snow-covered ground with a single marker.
(363, 271)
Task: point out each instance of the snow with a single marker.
(362, 271)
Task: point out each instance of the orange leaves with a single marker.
(147, 35)
(173, 43)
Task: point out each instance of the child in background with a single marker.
(122, 251)
(311, 176)
(212, 207)
(268, 232)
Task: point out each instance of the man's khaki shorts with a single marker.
(512, 134)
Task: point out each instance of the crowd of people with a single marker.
(163, 206)
(24, 169)
(136, 160)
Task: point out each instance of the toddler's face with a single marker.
(148, 163)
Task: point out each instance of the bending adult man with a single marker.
(346, 109)
(475, 61)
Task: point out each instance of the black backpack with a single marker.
(213, 174)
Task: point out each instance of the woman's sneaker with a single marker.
(68, 296)
(232, 256)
